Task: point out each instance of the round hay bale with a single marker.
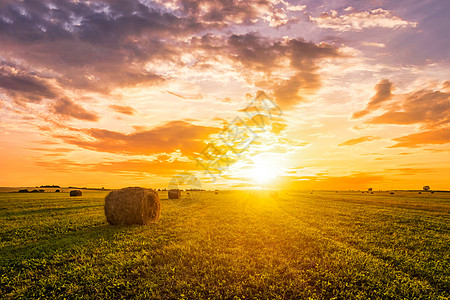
(174, 194)
(132, 205)
(75, 193)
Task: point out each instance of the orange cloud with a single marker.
(383, 93)
(160, 166)
(437, 137)
(358, 180)
(359, 140)
(172, 136)
(67, 108)
(126, 110)
(430, 108)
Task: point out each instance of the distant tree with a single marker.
(426, 188)
(370, 189)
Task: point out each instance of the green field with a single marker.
(344, 245)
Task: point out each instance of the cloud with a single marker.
(426, 107)
(356, 180)
(89, 45)
(430, 108)
(67, 108)
(357, 21)
(383, 93)
(126, 110)
(373, 44)
(102, 46)
(60, 150)
(160, 167)
(257, 54)
(24, 86)
(225, 12)
(172, 136)
(410, 171)
(359, 140)
(436, 137)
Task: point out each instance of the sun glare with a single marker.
(264, 170)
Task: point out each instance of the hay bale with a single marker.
(132, 205)
(174, 194)
(75, 193)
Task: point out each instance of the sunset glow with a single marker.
(114, 94)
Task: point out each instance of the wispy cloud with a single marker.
(357, 21)
(359, 140)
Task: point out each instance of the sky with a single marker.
(225, 94)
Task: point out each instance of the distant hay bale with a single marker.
(174, 194)
(216, 193)
(75, 193)
(392, 193)
(132, 205)
(57, 191)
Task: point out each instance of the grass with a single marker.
(240, 245)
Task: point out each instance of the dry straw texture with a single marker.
(75, 193)
(132, 205)
(174, 194)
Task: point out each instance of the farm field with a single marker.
(236, 244)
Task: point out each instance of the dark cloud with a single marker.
(383, 93)
(172, 136)
(23, 85)
(67, 108)
(90, 45)
(253, 53)
(102, 45)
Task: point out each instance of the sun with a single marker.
(264, 170)
(262, 174)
